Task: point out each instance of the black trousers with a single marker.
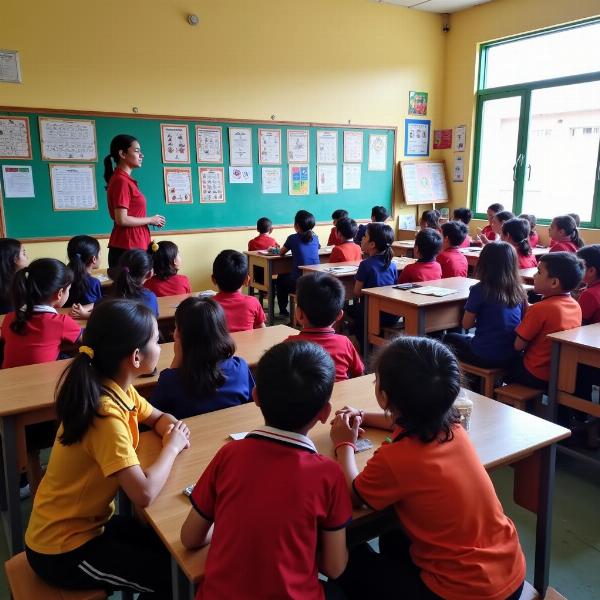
(126, 557)
(461, 343)
(519, 374)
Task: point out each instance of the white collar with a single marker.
(285, 437)
(44, 308)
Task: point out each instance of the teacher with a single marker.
(126, 203)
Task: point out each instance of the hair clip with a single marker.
(125, 269)
(77, 255)
(89, 352)
(154, 246)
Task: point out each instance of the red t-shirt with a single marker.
(123, 192)
(467, 242)
(333, 239)
(534, 238)
(489, 233)
(453, 262)
(464, 544)
(421, 271)
(589, 300)
(563, 246)
(262, 242)
(44, 333)
(345, 252)
(527, 262)
(241, 312)
(269, 495)
(345, 356)
(172, 286)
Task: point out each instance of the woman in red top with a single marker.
(563, 232)
(126, 204)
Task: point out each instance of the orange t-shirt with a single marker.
(345, 251)
(464, 544)
(551, 314)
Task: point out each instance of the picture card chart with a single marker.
(351, 176)
(327, 179)
(299, 182)
(212, 185)
(297, 145)
(68, 139)
(327, 147)
(175, 143)
(377, 152)
(271, 180)
(209, 144)
(353, 146)
(269, 146)
(178, 185)
(240, 146)
(15, 141)
(73, 187)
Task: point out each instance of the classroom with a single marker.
(273, 70)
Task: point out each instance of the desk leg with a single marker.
(421, 322)
(366, 344)
(13, 526)
(182, 588)
(271, 293)
(552, 408)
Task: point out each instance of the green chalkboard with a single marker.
(245, 203)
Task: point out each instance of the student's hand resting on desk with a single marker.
(345, 428)
(79, 311)
(177, 436)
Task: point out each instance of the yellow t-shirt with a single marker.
(76, 496)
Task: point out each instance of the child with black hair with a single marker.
(564, 235)
(230, 274)
(558, 274)
(205, 375)
(84, 257)
(13, 258)
(336, 215)
(379, 214)
(346, 250)
(430, 219)
(263, 241)
(452, 260)
(589, 297)
(534, 238)
(166, 262)
(319, 305)
(464, 215)
(428, 245)
(488, 231)
(456, 542)
(516, 233)
(299, 525)
(497, 221)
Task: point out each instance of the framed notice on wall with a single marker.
(68, 139)
(15, 140)
(178, 185)
(73, 187)
(175, 143)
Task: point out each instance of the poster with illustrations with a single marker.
(442, 139)
(269, 146)
(297, 145)
(327, 179)
(299, 180)
(351, 176)
(240, 146)
(460, 138)
(68, 139)
(417, 103)
(327, 147)
(15, 141)
(175, 143)
(416, 137)
(271, 180)
(377, 152)
(212, 185)
(178, 185)
(73, 187)
(241, 175)
(209, 144)
(353, 146)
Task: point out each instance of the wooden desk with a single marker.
(263, 267)
(404, 248)
(102, 276)
(527, 274)
(474, 252)
(501, 435)
(28, 397)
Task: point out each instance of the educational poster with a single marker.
(297, 145)
(423, 182)
(417, 103)
(68, 139)
(269, 146)
(178, 185)
(377, 152)
(10, 67)
(416, 137)
(353, 146)
(351, 176)
(327, 179)
(442, 139)
(175, 143)
(240, 146)
(15, 141)
(407, 222)
(460, 137)
(458, 171)
(212, 185)
(241, 175)
(327, 147)
(299, 180)
(18, 181)
(73, 187)
(271, 180)
(209, 144)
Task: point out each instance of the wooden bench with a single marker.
(292, 298)
(488, 377)
(517, 395)
(393, 331)
(24, 584)
(530, 593)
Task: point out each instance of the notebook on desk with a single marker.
(430, 290)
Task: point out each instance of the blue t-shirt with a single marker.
(171, 397)
(149, 299)
(495, 327)
(303, 253)
(92, 294)
(373, 272)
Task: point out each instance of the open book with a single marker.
(430, 290)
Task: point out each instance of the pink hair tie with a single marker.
(125, 269)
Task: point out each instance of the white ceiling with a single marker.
(437, 6)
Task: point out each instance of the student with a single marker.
(558, 274)
(84, 257)
(516, 233)
(488, 231)
(134, 269)
(497, 221)
(319, 305)
(589, 298)
(204, 375)
(564, 235)
(428, 245)
(346, 249)
(230, 274)
(455, 540)
(495, 307)
(304, 245)
(73, 540)
(464, 215)
(452, 260)
(575, 218)
(336, 215)
(279, 507)
(166, 262)
(34, 333)
(13, 258)
(534, 238)
(379, 214)
(430, 219)
(263, 241)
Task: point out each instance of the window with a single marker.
(537, 137)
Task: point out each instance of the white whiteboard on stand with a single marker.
(424, 182)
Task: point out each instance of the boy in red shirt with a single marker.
(452, 260)
(230, 274)
(319, 303)
(589, 298)
(464, 215)
(336, 215)
(428, 244)
(346, 250)
(263, 241)
(279, 508)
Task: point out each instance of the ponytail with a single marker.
(568, 224)
(133, 266)
(119, 143)
(108, 169)
(81, 250)
(382, 236)
(517, 230)
(163, 256)
(9, 254)
(305, 222)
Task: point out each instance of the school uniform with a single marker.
(527, 262)
(269, 496)
(148, 298)
(345, 251)
(421, 271)
(45, 331)
(171, 396)
(91, 294)
(589, 301)
(453, 262)
(467, 242)
(262, 242)
(565, 245)
(346, 359)
(171, 286)
(360, 234)
(333, 239)
(534, 239)
(241, 312)
(489, 233)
